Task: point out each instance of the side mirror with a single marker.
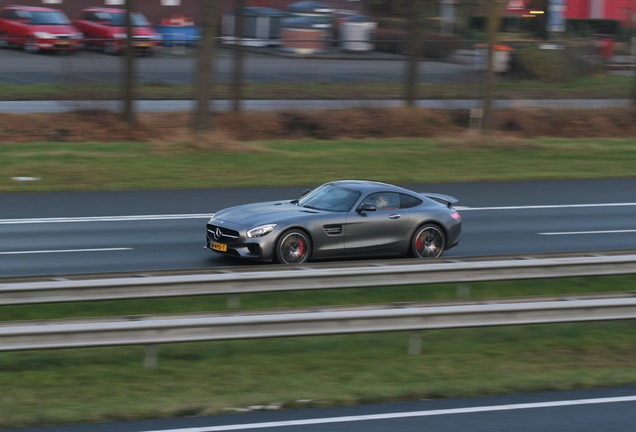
(366, 208)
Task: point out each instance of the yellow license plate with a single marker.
(142, 44)
(218, 246)
(63, 43)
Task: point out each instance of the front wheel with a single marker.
(293, 247)
(429, 241)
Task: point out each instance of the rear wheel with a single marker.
(293, 247)
(429, 241)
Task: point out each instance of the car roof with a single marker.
(31, 8)
(367, 185)
(105, 10)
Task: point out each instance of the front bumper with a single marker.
(231, 239)
(53, 44)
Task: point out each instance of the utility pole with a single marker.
(206, 54)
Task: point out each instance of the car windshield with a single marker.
(48, 18)
(138, 20)
(331, 198)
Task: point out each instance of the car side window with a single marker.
(408, 201)
(102, 17)
(383, 201)
(23, 15)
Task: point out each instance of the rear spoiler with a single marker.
(444, 199)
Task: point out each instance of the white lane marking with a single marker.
(401, 415)
(589, 232)
(64, 251)
(104, 218)
(209, 215)
(545, 206)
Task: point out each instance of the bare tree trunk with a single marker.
(204, 71)
(129, 67)
(633, 61)
(415, 14)
(237, 82)
(489, 76)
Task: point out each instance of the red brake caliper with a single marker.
(419, 243)
(301, 247)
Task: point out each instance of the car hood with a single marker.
(261, 213)
(54, 29)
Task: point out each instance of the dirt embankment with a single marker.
(102, 126)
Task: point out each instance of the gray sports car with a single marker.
(346, 218)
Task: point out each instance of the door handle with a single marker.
(395, 216)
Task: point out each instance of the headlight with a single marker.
(260, 231)
(43, 35)
(78, 36)
(120, 36)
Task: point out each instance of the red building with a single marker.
(621, 10)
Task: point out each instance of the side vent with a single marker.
(333, 229)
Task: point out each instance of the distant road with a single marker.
(87, 67)
(223, 105)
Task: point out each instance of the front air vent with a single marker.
(333, 229)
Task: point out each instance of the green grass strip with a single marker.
(126, 166)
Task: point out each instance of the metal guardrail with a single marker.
(82, 333)
(413, 317)
(366, 274)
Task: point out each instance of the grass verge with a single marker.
(108, 384)
(596, 87)
(126, 166)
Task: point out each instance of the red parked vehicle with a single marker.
(105, 29)
(38, 28)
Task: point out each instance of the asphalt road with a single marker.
(88, 67)
(62, 233)
(597, 410)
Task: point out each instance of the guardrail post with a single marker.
(234, 301)
(415, 343)
(463, 291)
(151, 358)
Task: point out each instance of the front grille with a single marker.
(141, 38)
(63, 37)
(227, 236)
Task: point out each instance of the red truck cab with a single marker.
(105, 29)
(38, 28)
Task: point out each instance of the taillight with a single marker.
(456, 216)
